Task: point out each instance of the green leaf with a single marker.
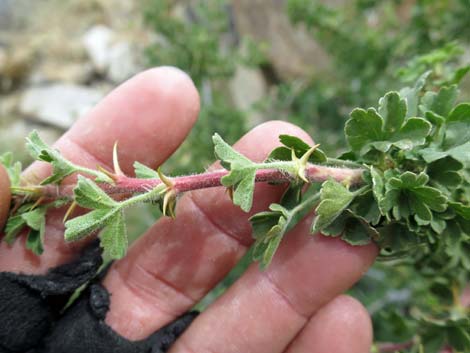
(89, 195)
(82, 226)
(13, 168)
(392, 108)
(114, 237)
(42, 152)
(353, 229)
(440, 102)
(408, 194)
(360, 137)
(34, 241)
(13, 227)
(144, 172)
(460, 209)
(335, 198)
(300, 148)
(456, 142)
(378, 187)
(367, 130)
(270, 227)
(242, 173)
(412, 95)
(36, 220)
(445, 172)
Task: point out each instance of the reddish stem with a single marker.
(127, 185)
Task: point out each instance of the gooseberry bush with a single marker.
(404, 184)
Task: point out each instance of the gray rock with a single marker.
(111, 55)
(59, 104)
(97, 41)
(123, 62)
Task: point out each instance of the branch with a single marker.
(125, 185)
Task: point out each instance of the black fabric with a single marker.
(30, 303)
(82, 329)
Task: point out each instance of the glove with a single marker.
(82, 329)
(31, 320)
(29, 304)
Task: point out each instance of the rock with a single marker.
(59, 104)
(248, 87)
(97, 41)
(111, 55)
(292, 50)
(123, 62)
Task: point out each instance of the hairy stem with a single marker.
(126, 185)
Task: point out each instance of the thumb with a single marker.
(5, 196)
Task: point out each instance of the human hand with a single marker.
(293, 306)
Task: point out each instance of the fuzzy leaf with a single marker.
(409, 195)
(369, 129)
(90, 195)
(445, 172)
(82, 226)
(42, 152)
(14, 225)
(13, 168)
(114, 237)
(334, 197)
(270, 227)
(456, 142)
(440, 102)
(242, 173)
(36, 220)
(144, 172)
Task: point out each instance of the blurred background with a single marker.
(305, 61)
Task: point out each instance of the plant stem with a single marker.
(126, 185)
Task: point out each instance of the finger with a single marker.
(4, 196)
(177, 262)
(341, 326)
(149, 116)
(264, 310)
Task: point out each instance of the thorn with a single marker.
(302, 162)
(37, 203)
(117, 167)
(167, 181)
(229, 191)
(69, 211)
(306, 156)
(107, 172)
(169, 203)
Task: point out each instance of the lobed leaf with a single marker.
(369, 129)
(39, 150)
(242, 173)
(82, 226)
(335, 198)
